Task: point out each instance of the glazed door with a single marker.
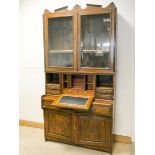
(60, 41)
(94, 130)
(58, 125)
(96, 41)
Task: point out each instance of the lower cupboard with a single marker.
(79, 128)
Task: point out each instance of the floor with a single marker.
(32, 143)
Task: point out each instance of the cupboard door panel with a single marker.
(60, 45)
(96, 47)
(94, 130)
(60, 42)
(95, 41)
(59, 124)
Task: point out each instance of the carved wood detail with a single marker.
(111, 6)
(46, 11)
(61, 9)
(78, 7)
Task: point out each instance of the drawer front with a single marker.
(104, 90)
(53, 92)
(104, 96)
(77, 92)
(105, 111)
(53, 89)
(67, 91)
(53, 86)
(46, 104)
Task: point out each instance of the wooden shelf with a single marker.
(66, 81)
(89, 83)
(95, 51)
(60, 51)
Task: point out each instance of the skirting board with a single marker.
(117, 138)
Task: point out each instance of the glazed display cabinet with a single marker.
(79, 50)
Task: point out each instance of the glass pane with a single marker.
(95, 41)
(60, 59)
(60, 43)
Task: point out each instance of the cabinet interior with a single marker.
(78, 82)
(52, 78)
(100, 85)
(104, 81)
(95, 40)
(104, 87)
(60, 45)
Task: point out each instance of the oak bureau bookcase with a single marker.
(79, 49)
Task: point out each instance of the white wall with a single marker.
(32, 60)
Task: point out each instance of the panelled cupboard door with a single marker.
(96, 40)
(58, 125)
(60, 41)
(94, 130)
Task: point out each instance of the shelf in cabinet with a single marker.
(89, 83)
(95, 51)
(66, 81)
(60, 51)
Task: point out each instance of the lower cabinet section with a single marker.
(82, 129)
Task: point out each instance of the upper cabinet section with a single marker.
(80, 40)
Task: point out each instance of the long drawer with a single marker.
(102, 108)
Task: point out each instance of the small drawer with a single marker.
(53, 86)
(47, 100)
(105, 90)
(72, 91)
(102, 110)
(88, 92)
(46, 103)
(67, 91)
(75, 91)
(104, 96)
(53, 92)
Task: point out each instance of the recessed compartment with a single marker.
(104, 80)
(104, 87)
(78, 84)
(52, 78)
(89, 82)
(53, 86)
